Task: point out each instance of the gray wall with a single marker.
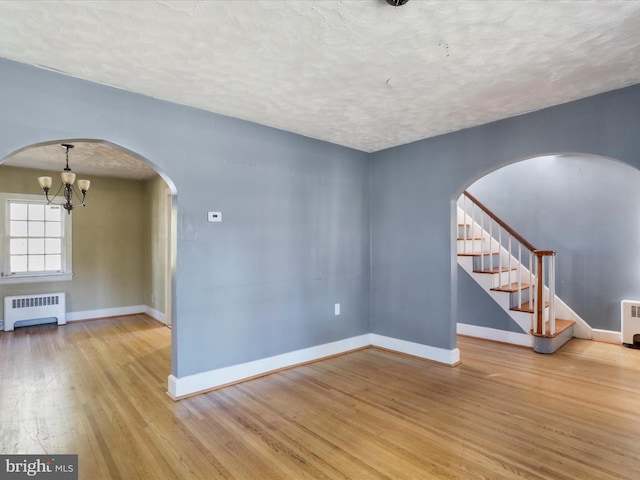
(415, 186)
(586, 208)
(476, 307)
(295, 233)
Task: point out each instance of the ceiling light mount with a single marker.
(397, 3)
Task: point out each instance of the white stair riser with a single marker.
(469, 246)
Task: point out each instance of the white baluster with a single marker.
(464, 224)
(473, 227)
(509, 264)
(531, 286)
(500, 254)
(481, 240)
(519, 274)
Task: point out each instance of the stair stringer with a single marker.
(487, 282)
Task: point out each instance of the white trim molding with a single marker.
(204, 381)
(106, 312)
(503, 336)
(607, 336)
(440, 355)
(156, 314)
(180, 387)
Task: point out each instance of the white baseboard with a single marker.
(105, 312)
(179, 387)
(153, 313)
(116, 312)
(494, 334)
(440, 355)
(608, 336)
(201, 382)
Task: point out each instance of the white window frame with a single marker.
(6, 277)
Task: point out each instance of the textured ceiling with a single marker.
(357, 73)
(89, 158)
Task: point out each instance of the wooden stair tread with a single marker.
(561, 326)
(495, 270)
(513, 288)
(526, 308)
(477, 254)
(477, 239)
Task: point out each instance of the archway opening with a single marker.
(123, 247)
(583, 207)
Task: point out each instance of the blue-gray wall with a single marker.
(306, 224)
(414, 292)
(476, 307)
(586, 208)
(295, 233)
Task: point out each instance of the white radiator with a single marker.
(630, 311)
(34, 307)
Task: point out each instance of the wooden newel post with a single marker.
(541, 304)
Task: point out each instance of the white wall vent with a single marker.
(630, 311)
(34, 307)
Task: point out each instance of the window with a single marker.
(36, 240)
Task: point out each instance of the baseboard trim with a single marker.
(503, 336)
(440, 355)
(189, 385)
(155, 314)
(105, 312)
(607, 336)
(181, 387)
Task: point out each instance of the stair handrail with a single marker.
(538, 297)
(499, 221)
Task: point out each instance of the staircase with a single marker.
(519, 277)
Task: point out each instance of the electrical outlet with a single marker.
(214, 216)
(336, 309)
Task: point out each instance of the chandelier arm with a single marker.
(82, 194)
(50, 200)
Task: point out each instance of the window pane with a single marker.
(52, 213)
(18, 263)
(36, 212)
(18, 246)
(36, 263)
(18, 228)
(36, 237)
(53, 262)
(36, 229)
(52, 245)
(36, 246)
(52, 229)
(18, 211)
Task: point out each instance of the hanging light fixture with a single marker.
(68, 178)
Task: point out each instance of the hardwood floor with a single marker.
(98, 389)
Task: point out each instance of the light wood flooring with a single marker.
(98, 389)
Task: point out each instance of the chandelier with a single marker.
(68, 178)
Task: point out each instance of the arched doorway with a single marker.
(582, 206)
(123, 241)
